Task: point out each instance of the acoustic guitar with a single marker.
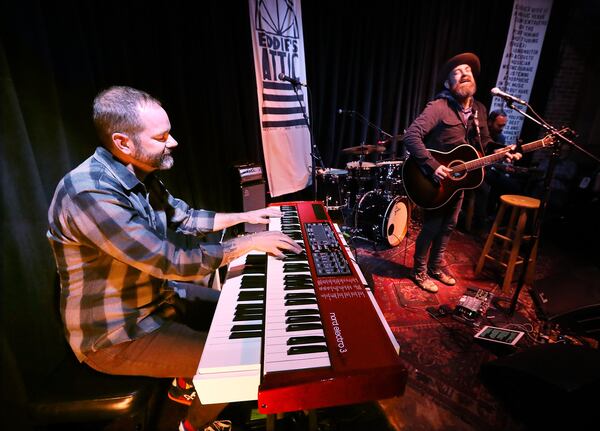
(467, 172)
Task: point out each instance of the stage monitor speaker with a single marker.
(571, 299)
(252, 186)
(547, 385)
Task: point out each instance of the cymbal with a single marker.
(364, 149)
(388, 140)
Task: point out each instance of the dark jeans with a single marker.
(173, 350)
(433, 239)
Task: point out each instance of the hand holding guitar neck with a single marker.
(461, 169)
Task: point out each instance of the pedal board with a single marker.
(472, 305)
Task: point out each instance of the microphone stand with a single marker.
(314, 151)
(376, 127)
(537, 226)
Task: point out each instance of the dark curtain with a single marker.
(378, 58)
(381, 59)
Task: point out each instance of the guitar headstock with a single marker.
(553, 137)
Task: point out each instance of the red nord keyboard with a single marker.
(299, 333)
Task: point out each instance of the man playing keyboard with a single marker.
(121, 242)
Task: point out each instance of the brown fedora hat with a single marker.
(464, 58)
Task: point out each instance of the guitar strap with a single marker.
(476, 123)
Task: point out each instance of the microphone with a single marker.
(345, 111)
(499, 93)
(293, 81)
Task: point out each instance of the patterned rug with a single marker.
(440, 354)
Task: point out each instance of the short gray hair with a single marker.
(116, 110)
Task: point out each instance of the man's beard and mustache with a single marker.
(464, 89)
(161, 162)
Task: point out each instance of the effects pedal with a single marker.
(472, 305)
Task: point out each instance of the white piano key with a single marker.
(296, 364)
(275, 353)
(229, 369)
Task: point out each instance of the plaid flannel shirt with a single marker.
(117, 242)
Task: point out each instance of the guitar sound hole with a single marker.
(460, 174)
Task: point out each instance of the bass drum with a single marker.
(383, 218)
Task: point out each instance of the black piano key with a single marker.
(251, 296)
(249, 307)
(295, 267)
(246, 334)
(302, 327)
(239, 328)
(299, 283)
(247, 317)
(254, 281)
(243, 311)
(297, 277)
(256, 259)
(302, 350)
(292, 302)
(299, 295)
(291, 227)
(302, 319)
(252, 312)
(302, 312)
(290, 231)
(254, 269)
(300, 257)
(309, 339)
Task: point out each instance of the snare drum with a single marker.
(383, 218)
(331, 187)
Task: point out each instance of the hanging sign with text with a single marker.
(521, 55)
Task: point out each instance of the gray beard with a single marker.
(464, 91)
(161, 162)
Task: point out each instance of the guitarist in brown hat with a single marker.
(453, 118)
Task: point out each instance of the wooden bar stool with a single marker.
(511, 235)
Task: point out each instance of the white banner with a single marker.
(278, 44)
(521, 55)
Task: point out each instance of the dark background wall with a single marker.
(379, 58)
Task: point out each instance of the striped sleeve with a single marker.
(108, 220)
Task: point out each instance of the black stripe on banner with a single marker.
(271, 110)
(278, 98)
(287, 123)
(277, 85)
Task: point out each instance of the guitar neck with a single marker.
(500, 155)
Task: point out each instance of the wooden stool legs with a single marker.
(512, 238)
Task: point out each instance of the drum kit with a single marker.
(370, 195)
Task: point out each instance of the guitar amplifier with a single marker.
(252, 186)
(249, 173)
